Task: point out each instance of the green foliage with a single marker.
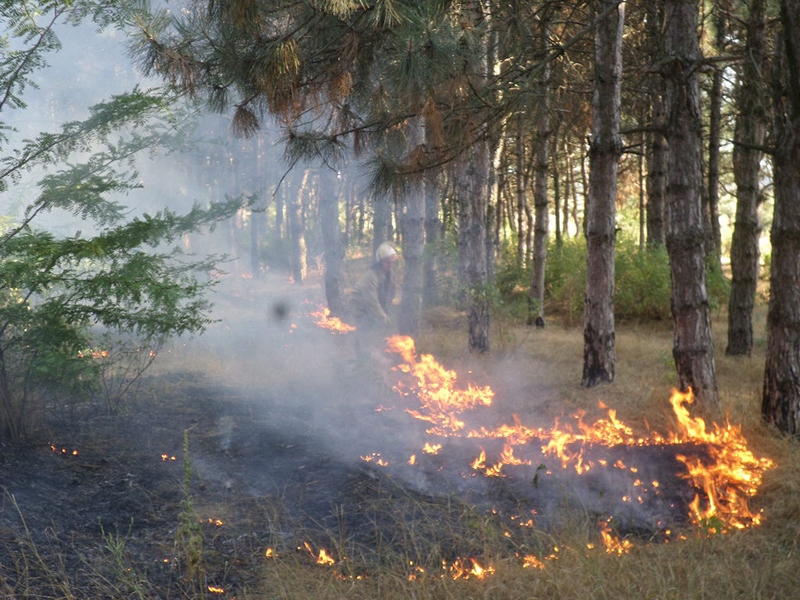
(123, 279)
(565, 279)
(643, 286)
(189, 535)
(642, 282)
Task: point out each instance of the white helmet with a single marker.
(385, 250)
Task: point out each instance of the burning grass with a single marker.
(287, 508)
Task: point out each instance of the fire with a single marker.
(375, 457)
(429, 448)
(434, 386)
(725, 475)
(63, 451)
(731, 476)
(335, 324)
(461, 569)
(322, 558)
(612, 543)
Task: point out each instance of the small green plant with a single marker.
(189, 535)
(129, 581)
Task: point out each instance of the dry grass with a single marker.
(536, 373)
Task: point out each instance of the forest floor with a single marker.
(264, 435)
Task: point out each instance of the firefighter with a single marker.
(371, 300)
(373, 294)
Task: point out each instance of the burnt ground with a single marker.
(276, 414)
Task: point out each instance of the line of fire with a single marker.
(653, 487)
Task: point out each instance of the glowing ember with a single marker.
(324, 319)
(63, 451)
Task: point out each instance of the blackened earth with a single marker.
(263, 444)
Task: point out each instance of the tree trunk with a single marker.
(381, 222)
(521, 189)
(656, 143)
(541, 224)
(413, 232)
(473, 197)
(693, 347)
(599, 338)
(714, 128)
(750, 132)
(781, 398)
(297, 239)
(432, 236)
(333, 252)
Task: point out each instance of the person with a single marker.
(371, 300)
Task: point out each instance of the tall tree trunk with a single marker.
(297, 237)
(781, 398)
(750, 132)
(522, 200)
(656, 143)
(432, 236)
(333, 251)
(693, 347)
(541, 222)
(413, 232)
(714, 129)
(381, 222)
(472, 187)
(599, 337)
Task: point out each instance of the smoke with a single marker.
(315, 416)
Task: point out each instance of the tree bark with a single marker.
(432, 236)
(473, 196)
(750, 133)
(781, 397)
(333, 252)
(599, 337)
(714, 132)
(297, 238)
(541, 223)
(413, 231)
(693, 346)
(656, 143)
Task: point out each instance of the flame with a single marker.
(215, 590)
(322, 558)
(461, 569)
(375, 457)
(429, 448)
(434, 387)
(612, 543)
(335, 324)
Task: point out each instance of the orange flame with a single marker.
(461, 569)
(322, 558)
(441, 402)
(335, 324)
(612, 543)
